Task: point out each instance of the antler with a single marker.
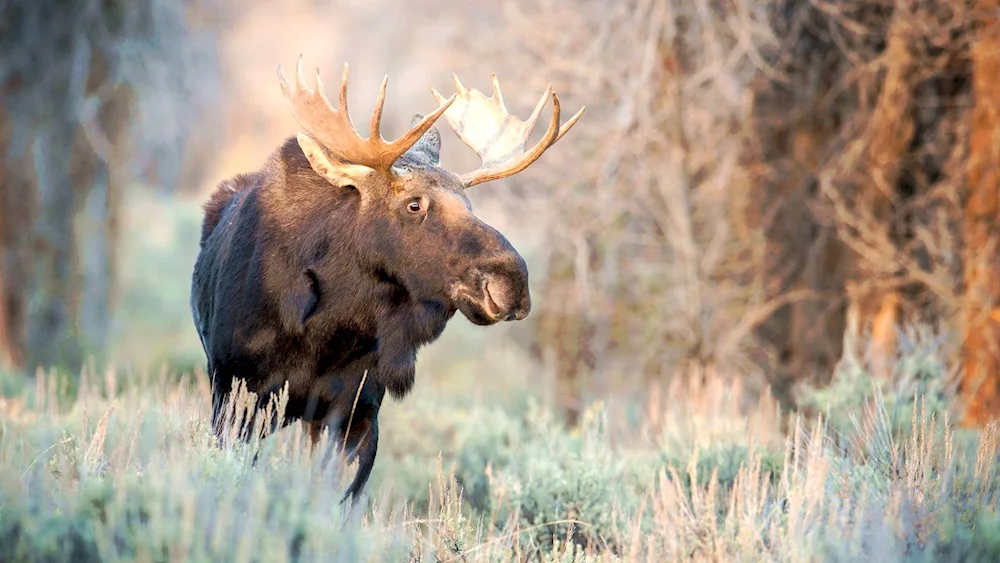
(498, 137)
(333, 127)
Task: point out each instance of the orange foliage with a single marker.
(884, 336)
(889, 135)
(981, 345)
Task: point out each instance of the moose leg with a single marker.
(315, 433)
(361, 444)
(218, 422)
(332, 441)
(364, 450)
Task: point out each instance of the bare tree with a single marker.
(648, 272)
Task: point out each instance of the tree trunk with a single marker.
(872, 291)
(981, 343)
(17, 203)
(51, 324)
(564, 336)
(800, 253)
(6, 346)
(100, 179)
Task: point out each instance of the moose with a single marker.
(326, 270)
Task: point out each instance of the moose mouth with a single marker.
(481, 309)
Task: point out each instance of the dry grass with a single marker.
(128, 470)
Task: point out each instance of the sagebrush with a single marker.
(119, 468)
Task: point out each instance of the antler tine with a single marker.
(284, 83)
(343, 88)
(437, 96)
(410, 138)
(333, 128)
(376, 124)
(569, 124)
(496, 91)
(300, 77)
(499, 138)
(537, 112)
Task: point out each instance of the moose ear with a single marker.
(428, 147)
(336, 173)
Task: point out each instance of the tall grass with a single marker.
(126, 469)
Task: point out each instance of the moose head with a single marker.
(415, 224)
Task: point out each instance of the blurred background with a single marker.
(757, 190)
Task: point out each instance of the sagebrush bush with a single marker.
(563, 487)
(471, 439)
(130, 471)
(919, 370)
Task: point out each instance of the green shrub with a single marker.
(565, 488)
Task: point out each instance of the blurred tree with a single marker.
(865, 126)
(92, 91)
(646, 275)
(774, 182)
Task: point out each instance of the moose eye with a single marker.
(413, 206)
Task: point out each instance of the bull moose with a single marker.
(326, 270)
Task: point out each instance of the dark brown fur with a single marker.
(302, 281)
